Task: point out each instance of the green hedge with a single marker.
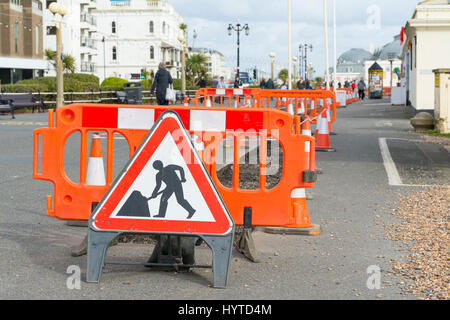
(24, 88)
(113, 82)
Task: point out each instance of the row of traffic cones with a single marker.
(300, 215)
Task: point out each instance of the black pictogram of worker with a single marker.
(173, 183)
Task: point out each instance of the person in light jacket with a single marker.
(161, 82)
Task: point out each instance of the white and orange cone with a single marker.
(322, 134)
(186, 101)
(208, 101)
(95, 175)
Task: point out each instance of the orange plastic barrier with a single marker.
(291, 101)
(270, 206)
(211, 97)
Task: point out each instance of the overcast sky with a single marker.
(359, 23)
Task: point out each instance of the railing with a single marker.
(84, 17)
(88, 42)
(96, 97)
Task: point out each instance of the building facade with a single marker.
(137, 35)
(426, 46)
(79, 33)
(21, 41)
(215, 61)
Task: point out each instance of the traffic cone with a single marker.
(322, 134)
(95, 175)
(290, 107)
(299, 217)
(186, 101)
(302, 109)
(306, 128)
(208, 101)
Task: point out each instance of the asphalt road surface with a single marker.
(351, 200)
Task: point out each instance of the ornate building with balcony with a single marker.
(135, 35)
(21, 52)
(79, 28)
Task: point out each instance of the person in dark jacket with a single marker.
(270, 84)
(262, 84)
(161, 82)
(202, 82)
(237, 83)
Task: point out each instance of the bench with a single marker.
(5, 106)
(21, 100)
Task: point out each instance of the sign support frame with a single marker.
(220, 244)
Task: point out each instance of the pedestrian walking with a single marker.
(301, 84)
(269, 84)
(161, 82)
(262, 84)
(237, 83)
(353, 85)
(361, 89)
(222, 84)
(214, 82)
(202, 82)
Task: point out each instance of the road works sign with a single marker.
(164, 189)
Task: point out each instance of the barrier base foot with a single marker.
(325, 149)
(315, 230)
(245, 245)
(81, 249)
(74, 223)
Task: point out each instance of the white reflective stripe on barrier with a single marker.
(208, 120)
(135, 118)
(298, 193)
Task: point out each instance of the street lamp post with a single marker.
(182, 40)
(294, 59)
(272, 56)
(60, 9)
(238, 28)
(104, 58)
(305, 47)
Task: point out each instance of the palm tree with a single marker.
(196, 66)
(68, 60)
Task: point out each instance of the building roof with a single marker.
(354, 56)
(391, 50)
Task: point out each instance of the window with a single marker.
(151, 27)
(51, 30)
(113, 27)
(16, 37)
(164, 27)
(152, 53)
(36, 30)
(114, 53)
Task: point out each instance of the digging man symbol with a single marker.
(173, 183)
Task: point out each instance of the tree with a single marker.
(284, 74)
(68, 61)
(197, 67)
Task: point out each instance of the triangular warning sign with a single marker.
(164, 188)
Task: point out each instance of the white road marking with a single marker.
(391, 169)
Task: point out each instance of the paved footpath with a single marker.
(351, 201)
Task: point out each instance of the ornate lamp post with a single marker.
(304, 54)
(238, 28)
(272, 56)
(60, 9)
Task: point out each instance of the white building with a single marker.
(426, 47)
(135, 35)
(78, 33)
(216, 63)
